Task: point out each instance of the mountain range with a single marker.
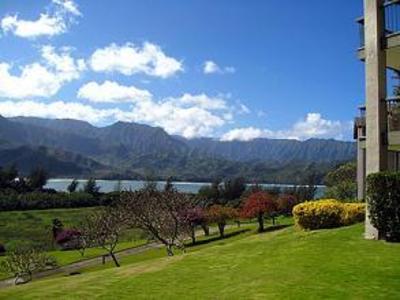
(72, 148)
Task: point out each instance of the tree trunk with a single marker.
(169, 250)
(193, 235)
(260, 219)
(221, 228)
(115, 259)
(206, 229)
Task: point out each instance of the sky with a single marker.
(227, 69)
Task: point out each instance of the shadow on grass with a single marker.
(218, 238)
(274, 228)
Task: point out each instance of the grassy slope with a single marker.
(283, 264)
(35, 226)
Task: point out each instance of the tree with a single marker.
(342, 182)
(286, 203)
(23, 262)
(37, 179)
(91, 187)
(195, 216)
(221, 214)
(73, 186)
(102, 228)
(7, 176)
(169, 186)
(211, 193)
(57, 227)
(233, 189)
(159, 213)
(257, 206)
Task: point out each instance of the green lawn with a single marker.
(287, 263)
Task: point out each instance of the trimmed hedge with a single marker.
(327, 213)
(383, 194)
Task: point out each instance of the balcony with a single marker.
(392, 34)
(393, 109)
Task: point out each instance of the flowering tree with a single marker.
(221, 214)
(195, 216)
(23, 262)
(286, 203)
(102, 228)
(257, 206)
(160, 213)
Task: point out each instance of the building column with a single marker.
(376, 111)
(360, 168)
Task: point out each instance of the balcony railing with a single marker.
(393, 105)
(392, 20)
(393, 109)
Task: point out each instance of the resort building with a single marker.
(377, 129)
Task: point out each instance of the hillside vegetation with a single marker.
(129, 150)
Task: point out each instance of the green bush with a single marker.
(43, 200)
(383, 193)
(327, 213)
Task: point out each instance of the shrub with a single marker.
(353, 213)
(69, 239)
(327, 213)
(383, 193)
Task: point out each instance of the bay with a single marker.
(61, 184)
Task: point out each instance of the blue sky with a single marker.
(226, 69)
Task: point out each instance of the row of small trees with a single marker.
(167, 216)
(170, 217)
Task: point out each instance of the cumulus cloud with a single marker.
(53, 22)
(57, 109)
(112, 92)
(244, 134)
(130, 59)
(40, 79)
(313, 126)
(189, 115)
(211, 67)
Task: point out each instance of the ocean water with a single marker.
(186, 187)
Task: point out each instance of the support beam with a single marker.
(360, 168)
(376, 111)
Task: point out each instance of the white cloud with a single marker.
(313, 126)
(40, 79)
(69, 6)
(47, 24)
(175, 115)
(112, 92)
(211, 67)
(130, 59)
(244, 134)
(201, 100)
(58, 109)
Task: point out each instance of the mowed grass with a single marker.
(331, 264)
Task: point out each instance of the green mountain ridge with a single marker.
(128, 150)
